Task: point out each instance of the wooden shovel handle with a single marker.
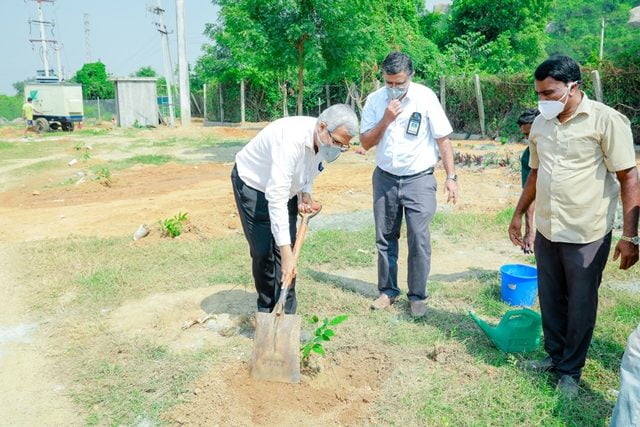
(300, 235)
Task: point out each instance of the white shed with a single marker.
(136, 101)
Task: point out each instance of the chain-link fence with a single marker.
(99, 109)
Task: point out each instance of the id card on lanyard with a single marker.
(413, 126)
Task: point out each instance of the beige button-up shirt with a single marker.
(577, 190)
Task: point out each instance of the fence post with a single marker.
(597, 85)
(443, 93)
(204, 101)
(476, 80)
(285, 111)
(242, 116)
(99, 115)
(221, 102)
(328, 96)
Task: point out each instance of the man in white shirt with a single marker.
(272, 180)
(408, 127)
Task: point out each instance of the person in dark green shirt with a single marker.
(525, 121)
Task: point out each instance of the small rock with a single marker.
(72, 162)
(197, 391)
(61, 216)
(35, 193)
(142, 231)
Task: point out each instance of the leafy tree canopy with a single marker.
(95, 81)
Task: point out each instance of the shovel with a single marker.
(276, 347)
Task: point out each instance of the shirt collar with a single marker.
(585, 107)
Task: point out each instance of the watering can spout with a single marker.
(486, 328)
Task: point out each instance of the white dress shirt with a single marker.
(281, 162)
(398, 152)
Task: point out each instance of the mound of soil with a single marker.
(341, 392)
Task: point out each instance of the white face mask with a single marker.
(551, 109)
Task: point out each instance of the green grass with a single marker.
(444, 369)
(145, 159)
(162, 378)
(463, 225)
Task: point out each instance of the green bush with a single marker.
(10, 106)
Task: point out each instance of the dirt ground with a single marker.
(33, 209)
(148, 193)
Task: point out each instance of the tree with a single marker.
(575, 31)
(19, 86)
(145, 72)
(313, 42)
(94, 80)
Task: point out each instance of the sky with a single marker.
(122, 35)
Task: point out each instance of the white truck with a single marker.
(56, 105)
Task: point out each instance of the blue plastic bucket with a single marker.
(519, 284)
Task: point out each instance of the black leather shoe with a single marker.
(568, 387)
(544, 365)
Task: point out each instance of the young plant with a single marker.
(322, 334)
(172, 227)
(103, 176)
(85, 156)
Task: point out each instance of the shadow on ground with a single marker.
(233, 301)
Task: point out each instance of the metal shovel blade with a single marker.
(276, 349)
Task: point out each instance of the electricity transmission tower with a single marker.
(166, 53)
(87, 39)
(46, 43)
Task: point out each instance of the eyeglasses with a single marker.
(342, 146)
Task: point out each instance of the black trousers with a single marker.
(253, 209)
(569, 276)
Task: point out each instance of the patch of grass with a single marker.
(340, 248)
(463, 225)
(146, 159)
(106, 272)
(91, 132)
(130, 385)
(102, 285)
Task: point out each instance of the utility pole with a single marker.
(87, 39)
(166, 53)
(602, 39)
(183, 66)
(45, 42)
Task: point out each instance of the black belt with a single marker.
(428, 171)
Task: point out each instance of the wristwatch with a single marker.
(635, 240)
(452, 177)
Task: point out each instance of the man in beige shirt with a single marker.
(582, 156)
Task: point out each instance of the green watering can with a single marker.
(518, 331)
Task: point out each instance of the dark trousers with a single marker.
(253, 209)
(569, 276)
(415, 198)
